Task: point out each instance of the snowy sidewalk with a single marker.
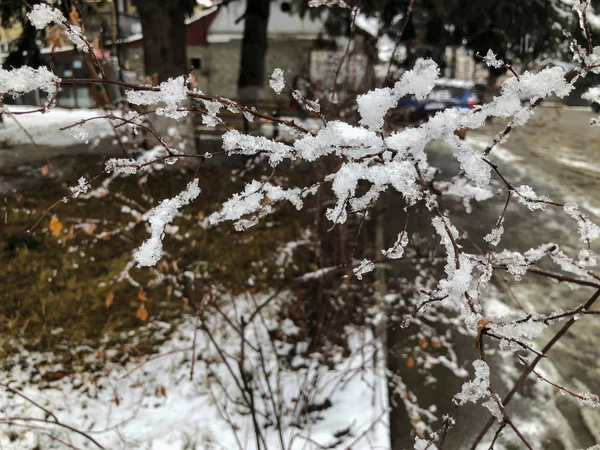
(45, 128)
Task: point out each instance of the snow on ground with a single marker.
(576, 164)
(45, 128)
(156, 406)
(503, 154)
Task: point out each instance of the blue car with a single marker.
(446, 94)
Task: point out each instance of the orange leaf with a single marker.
(142, 295)
(74, 16)
(423, 343)
(410, 363)
(142, 313)
(45, 169)
(481, 324)
(55, 226)
(68, 236)
(109, 299)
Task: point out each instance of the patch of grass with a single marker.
(54, 285)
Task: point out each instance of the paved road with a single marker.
(558, 154)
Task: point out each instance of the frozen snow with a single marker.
(160, 408)
(276, 81)
(170, 95)
(150, 251)
(45, 127)
(25, 79)
(492, 61)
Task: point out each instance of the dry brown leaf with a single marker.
(141, 295)
(74, 16)
(55, 226)
(45, 169)
(169, 290)
(110, 297)
(68, 236)
(186, 302)
(160, 390)
(142, 313)
(117, 400)
(481, 325)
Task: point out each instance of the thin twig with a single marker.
(521, 381)
(409, 10)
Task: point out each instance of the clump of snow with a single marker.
(122, 165)
(26, 79)
(478, 387)
(493, 406)
(42, 15)
(339, 138)
(592, 95)
(258, 199)
(588, 230)
(491, 60)
(494, 236)
(277, 81)
(423, 444)
(82, 187)
(587, 258)
(526, 330)
(419, 81)
(212, 108)
(400, 175)
(476, 169)
(151, 250)
(397, 250)
(365, 266)
(533, 201)
(170, 93)
(80, 132)
(235, 142)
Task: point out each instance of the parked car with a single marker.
(446, 94)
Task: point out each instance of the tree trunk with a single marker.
(254, 49)
(163, 26)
